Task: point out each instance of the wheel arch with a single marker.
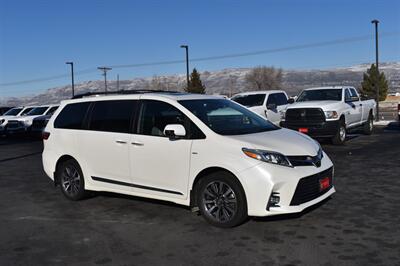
(203, 173)
(60, 160)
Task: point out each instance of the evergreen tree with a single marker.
(195, 84)
(371, 78)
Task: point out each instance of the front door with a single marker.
(159, 165)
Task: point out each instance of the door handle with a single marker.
(137, 143)
(120, 142)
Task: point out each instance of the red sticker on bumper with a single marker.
(303, 130)
(324, 183)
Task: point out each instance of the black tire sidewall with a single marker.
(336, 139)
(229, 179)
(367, 129)
(81, 193)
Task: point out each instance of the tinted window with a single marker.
(226, 117)
(320, 95)
(250, 99)
(112, 116)
(353, 93)
(277, 99)
(13, 111)
(155, 115)
(347, 96)
(26, 111)
(72, 116)
(38, 111)
(52, 110)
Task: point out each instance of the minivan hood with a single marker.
(325, 105)
(285, 141)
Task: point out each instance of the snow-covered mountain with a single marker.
(226, 81)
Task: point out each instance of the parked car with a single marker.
(268, 104)
(197, 150)
(39, 123)
(330, 112)
(4, 109)
(23, 123)
(10, 114)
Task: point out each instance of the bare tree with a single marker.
(264, 78)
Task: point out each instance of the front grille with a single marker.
(305, 160)
(308, 187)
(303, 116)
(13, 124)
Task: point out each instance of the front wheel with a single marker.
(340, 136)
(71, 180)
(221, 200)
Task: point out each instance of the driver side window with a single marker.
(347, 96)
(154, 116)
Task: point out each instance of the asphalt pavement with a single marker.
(359, 225)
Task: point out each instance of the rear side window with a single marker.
(72, 116)
(250, 100)
(277, 99)
(112, 116)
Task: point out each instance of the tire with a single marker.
(340, 136)
(221, 200)
(72, 182)
(369, 125)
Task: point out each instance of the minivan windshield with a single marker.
(320, 95)
(226, 117)
(250, 100)
(38, 110)
(13, 111)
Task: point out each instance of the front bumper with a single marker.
(264, 180)
(324, 129)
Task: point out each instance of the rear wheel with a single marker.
(369, 125)
(221, 200)
(71, 180)
(340, 136)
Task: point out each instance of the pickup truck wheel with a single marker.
(369, 125)
(340, 136)
(221, 200)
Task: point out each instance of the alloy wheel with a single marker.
(219, 201)
(71, 180)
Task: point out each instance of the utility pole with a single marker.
(72, 77)
(187, 63)
(117, 82)
(375, 21)
(105, 69)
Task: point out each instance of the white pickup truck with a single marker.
(268, 104)
(329, 112)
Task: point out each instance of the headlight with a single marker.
(2, 121)
(331, 114)
(283, 114)
(28, 122)
(267, 156)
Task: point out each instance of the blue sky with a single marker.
(37, 37)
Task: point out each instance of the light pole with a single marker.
(105, 69)
(375, 21)
(72, 77)
(187, 63)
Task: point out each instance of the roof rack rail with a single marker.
(95, 93)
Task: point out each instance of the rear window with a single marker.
(250, 100)
(112, 116)
(72, 116)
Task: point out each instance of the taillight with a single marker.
(45, 135)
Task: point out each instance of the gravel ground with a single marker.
(359, 225)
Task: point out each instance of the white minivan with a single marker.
(196, 150)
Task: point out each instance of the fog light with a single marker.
(273, 200)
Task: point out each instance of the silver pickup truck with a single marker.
(330, 112)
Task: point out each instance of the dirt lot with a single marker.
(359, 225)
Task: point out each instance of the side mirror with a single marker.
(290, 101)
(271, 106)
(174, 131)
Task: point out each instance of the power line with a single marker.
(210, 58)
